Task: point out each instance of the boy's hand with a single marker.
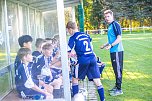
(108, 47)
(46, 93)
(102, 47)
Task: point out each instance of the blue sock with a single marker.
(101, 92)
(75, 89)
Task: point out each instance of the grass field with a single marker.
(137, 74)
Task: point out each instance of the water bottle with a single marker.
(37, 97)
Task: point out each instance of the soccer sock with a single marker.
(75, 89)
(101, 92)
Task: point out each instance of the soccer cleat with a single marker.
(116, 92)
(113, 89)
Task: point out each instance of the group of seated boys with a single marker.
(38, 74)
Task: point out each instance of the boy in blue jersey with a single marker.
(116, 51)
(43, 67)
(43, 62)
(81, 43)
(24, 41)
(25, 85)
(39, 42)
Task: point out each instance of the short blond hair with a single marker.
(108, 11)
(47, 46)
(23, 52)
(71, 25)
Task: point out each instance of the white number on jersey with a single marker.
(86, 45)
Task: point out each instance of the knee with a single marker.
(97, 82)
(74, 80)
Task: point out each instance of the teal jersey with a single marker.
(114, 30)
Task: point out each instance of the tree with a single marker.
(139, 11)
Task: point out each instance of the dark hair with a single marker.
(48, 38)
(39, 42)
(56, 37)
(24, 39)
(23, 52)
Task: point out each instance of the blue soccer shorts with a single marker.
(88, 68)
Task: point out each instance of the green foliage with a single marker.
(130, 13)
(87, 5)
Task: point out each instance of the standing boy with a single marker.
(116, 50)
(81, 43)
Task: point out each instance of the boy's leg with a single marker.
(75, 86)
(57, 92)
(34, 94)
(117, 64)
(99, 88)
(47, 87)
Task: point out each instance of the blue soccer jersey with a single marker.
(36, 53)
(39, 64)
(17, 63)
(24, 82)
(41, 67)
(87, 64)
(81, 43)
(114, 30)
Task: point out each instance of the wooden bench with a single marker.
(13, 96)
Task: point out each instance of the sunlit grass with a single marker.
(4, 54)
(137, 73)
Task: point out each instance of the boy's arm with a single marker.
(36, 88)
(118, 40)
(105, 45)
(30, 84)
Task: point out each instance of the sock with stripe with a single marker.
(75, 89)
(101, 92)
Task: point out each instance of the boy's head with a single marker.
(25, 41)
(25, 54)
(71, 26)
(56, 37)
(47, 49)
(39, 42)
(108, 15)
(49, 40)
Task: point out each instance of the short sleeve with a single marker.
(71, 44)
(117, 28)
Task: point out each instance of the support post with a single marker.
(81, 16)
(63, 47)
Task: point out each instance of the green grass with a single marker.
(137, 73)
(137, 31)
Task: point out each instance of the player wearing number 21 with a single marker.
(81, 43)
